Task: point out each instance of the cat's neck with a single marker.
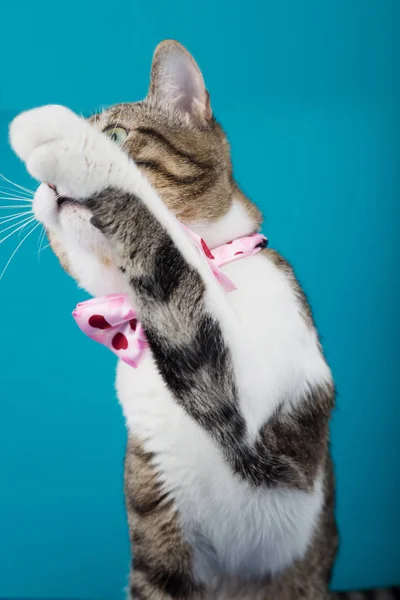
(242, 218)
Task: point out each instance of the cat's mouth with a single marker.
(50, 207)
(61, 200)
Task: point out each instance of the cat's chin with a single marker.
(49, 207)
(92, 267)
(82, 250)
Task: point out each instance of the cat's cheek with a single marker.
(78, 231)
(61, 253)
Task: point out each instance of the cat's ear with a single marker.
(177, 83)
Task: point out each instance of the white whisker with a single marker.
(15, 230)
(8, 199)
(17, 248)
(40, 242)
(27, 210)
(5, 186)
(14, 206)
(13, 217)
(16, 224)
(21, 187)
(41, 236)
(22, 229)
(14, 190)
(14, 193)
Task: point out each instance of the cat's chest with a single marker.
(274, 351)
(233, 526)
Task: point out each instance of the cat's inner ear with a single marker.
(177, 83)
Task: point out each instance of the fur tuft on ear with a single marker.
(177, 83)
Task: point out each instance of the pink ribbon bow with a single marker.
(111, 320)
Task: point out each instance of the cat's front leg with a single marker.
(63, 149)
(193, 334)
(180, 303)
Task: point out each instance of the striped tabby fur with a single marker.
(228, 476)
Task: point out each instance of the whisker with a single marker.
(10, 199)
(14, 193)
(17, 248)
(21, 231)
(13, 217)
(41, 236)
(16, 224)
(40, 242)
(12, 189)
(15, 230)
(14, 206)
(21, 187)
(7, 199)
(27, 210)
(8, 188)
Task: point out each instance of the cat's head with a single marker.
(175, 140)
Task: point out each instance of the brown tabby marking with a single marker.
(162, 562)
(189, 167)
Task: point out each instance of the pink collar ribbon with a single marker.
(111, 320)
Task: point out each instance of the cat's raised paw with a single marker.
(63, 149)
(38, 126)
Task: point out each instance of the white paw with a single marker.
(61, 148)
(39, 126)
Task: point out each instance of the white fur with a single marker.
(275, 353)
(235, 223)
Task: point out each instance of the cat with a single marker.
(228, 476)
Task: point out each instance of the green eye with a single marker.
(116, 134)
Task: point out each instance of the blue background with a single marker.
(308, 92)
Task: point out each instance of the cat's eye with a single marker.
(116, 134)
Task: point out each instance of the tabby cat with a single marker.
(228, 476)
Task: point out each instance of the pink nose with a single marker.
(52, 187)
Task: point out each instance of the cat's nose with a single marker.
(52, 187)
